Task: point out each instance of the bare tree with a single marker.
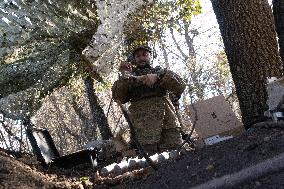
(97, 112)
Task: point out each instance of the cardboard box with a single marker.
(216, 120)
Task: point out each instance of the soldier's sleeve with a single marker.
(120, 90)
(171, 81)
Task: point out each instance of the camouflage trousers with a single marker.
(156, 124)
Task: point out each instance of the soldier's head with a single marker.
(142, 56)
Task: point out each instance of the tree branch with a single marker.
(177, 45)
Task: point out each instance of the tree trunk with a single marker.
(249, 36)
(278, 12)
(96, 110)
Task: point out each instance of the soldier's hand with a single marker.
(125, 67)
(150, 79)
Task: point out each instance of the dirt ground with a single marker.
(193, 168)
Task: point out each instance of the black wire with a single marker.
(188, 138)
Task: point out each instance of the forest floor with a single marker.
(193, 168)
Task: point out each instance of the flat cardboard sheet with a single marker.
(215, 117)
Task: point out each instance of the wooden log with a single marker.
(269, 166)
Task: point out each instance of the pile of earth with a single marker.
(191, 169)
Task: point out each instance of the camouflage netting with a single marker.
(109, 39)
(42, 42)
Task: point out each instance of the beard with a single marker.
(143, 65)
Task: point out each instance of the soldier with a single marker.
(148, 90)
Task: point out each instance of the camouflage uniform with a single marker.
(154, 117)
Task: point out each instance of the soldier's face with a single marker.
(142, 57)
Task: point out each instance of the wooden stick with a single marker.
(269, 166)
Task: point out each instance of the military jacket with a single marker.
(151, 108)
(129, 90)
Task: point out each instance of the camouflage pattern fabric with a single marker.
(120, 90)
(156, 123)
(128, 90)
(148, 115)
(170, 139)
(172, 82)
(154, 117)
